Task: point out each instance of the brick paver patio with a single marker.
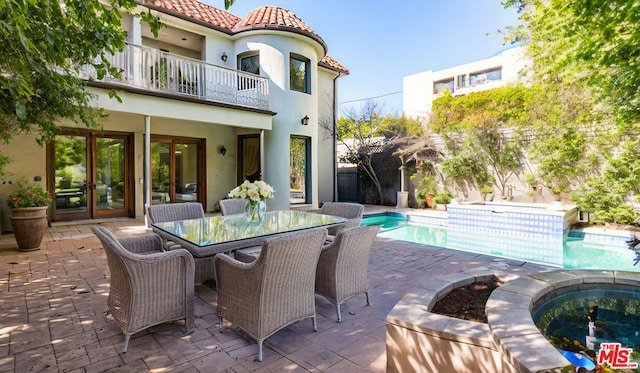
(53, 303)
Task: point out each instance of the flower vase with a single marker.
(254, 211)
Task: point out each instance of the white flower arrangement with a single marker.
(255, 192)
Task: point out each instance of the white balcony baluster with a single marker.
(155, 70)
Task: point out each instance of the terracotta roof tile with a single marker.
(272, 17)
(332, 64)
(268, 17)
(197, 10)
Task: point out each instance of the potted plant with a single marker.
(487, 193)
(427, 189)
(443, 198)
(28, 206)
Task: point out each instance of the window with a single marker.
(494, 74)
(443, 85)
(482, 77)
(299, 170)
(461, 81)
(250, 64)
(299, 74)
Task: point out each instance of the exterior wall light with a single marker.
(224, 57)
(223, 150)
(305, 121)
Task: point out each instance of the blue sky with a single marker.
(380, 42)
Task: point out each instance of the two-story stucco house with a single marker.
(213, 100)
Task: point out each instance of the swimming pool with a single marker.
(575, 249)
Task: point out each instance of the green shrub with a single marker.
(443, 197)
(427, 186)
(624, 214)
(487, 189)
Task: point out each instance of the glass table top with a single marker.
(221, 229)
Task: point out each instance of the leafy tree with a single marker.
(365, 135)
(562, 144)
(486, 120)
(399, 127)
(591, 45)
(464, 169)
(45, 46)
(361, 128)
(595, 41)
(417, 153)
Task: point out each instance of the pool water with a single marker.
(575, 249)
(564, 316)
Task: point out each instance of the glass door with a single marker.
(91, 176)
(186, 175)
(176, 170)
(70, 175)
(160, 172)
(110, 174)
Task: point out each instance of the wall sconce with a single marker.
(305, 121)
(223, 150)
(224, 57)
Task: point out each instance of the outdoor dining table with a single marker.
(222, 234)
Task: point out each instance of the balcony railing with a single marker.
(488, 84)
(158, 71)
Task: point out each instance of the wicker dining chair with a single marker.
(172, 212)
(181, 211)
(275, 290)
(147, 286)
(342, 267)
(351, 211)
(232, 206)
(175, 211)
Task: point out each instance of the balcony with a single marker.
(166, 73)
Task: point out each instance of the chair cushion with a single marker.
(248, 254)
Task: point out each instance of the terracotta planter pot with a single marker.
(428, 199)
(29, 226)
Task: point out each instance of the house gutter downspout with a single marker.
(263, 164)
(334, 134)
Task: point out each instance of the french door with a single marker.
(177, 170)
(91, 175)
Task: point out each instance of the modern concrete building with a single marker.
(509, 66)
(213, 100)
